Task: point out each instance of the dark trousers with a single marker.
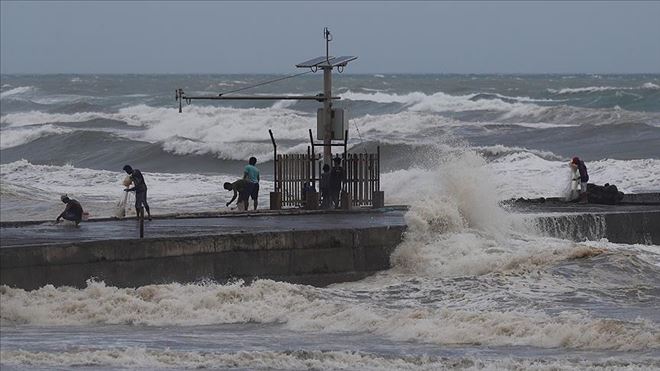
(141, 199)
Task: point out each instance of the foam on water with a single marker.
(457, 235)
(136, 357)
(41, 118)
(18, 91)
(519, 173)
(468, 273)
(441, 102)
(594, 89)
(99, 190)
(304, 308)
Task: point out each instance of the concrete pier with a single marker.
(302, 247)
(317, 248)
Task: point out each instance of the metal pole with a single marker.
(327, 120)
(313, 159)
(141, 220)
(275, 187)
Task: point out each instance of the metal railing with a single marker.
(293, 171)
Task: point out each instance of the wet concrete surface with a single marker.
(572, 207)
(43, 233)
(47, 232)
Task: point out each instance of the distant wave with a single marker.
(16, 137)
(592, 89)
(17, 91)
(232, 133)
(40, 118)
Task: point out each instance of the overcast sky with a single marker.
(388, 37)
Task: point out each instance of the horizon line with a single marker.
(344, 73)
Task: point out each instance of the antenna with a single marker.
(328, 37)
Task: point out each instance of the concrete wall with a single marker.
(311, 257)
(630, 227)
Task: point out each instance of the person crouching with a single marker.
(73, 210)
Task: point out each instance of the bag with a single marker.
(120, 207)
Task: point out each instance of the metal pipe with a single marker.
(327, 119)
(272, 139)
(313, 159)
(260, 97)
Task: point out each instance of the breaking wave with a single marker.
(18, 91)
(594, 89)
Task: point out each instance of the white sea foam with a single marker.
(200, 129)
(305, 308)
(15, 137)
(526, 173)
(441, 102)
(18, 91)
(99, 190)
(455, 225)
(139, 357)
(593, 89)
(41, 118)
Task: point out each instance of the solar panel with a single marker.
(340, 61)
(323, 62)
(313, 62)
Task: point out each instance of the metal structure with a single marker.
(326, 63)
(361, 186)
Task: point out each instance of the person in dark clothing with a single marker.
(140, 188)
(240, 188)
(336, 179)
(584, 178)
(324, 185)
(73, 210)
(306, 188)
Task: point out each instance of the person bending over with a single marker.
(240, 188)
(140, 188)
(73, 210)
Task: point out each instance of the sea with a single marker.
(473, 286)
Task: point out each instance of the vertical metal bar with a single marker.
(272, 139)
(307, 165)
(311, 140)
(361, 175)
(285, 178)
(141, 219)
(327, 120)
(378, 168)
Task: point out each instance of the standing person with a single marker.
(140, 188)
(324, 186)
(251, 174)
(584, 178)
(240, 188)
(73, 210)
(336, 179)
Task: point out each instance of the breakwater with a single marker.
(642, 227)
(316, 249)
(324, 253)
